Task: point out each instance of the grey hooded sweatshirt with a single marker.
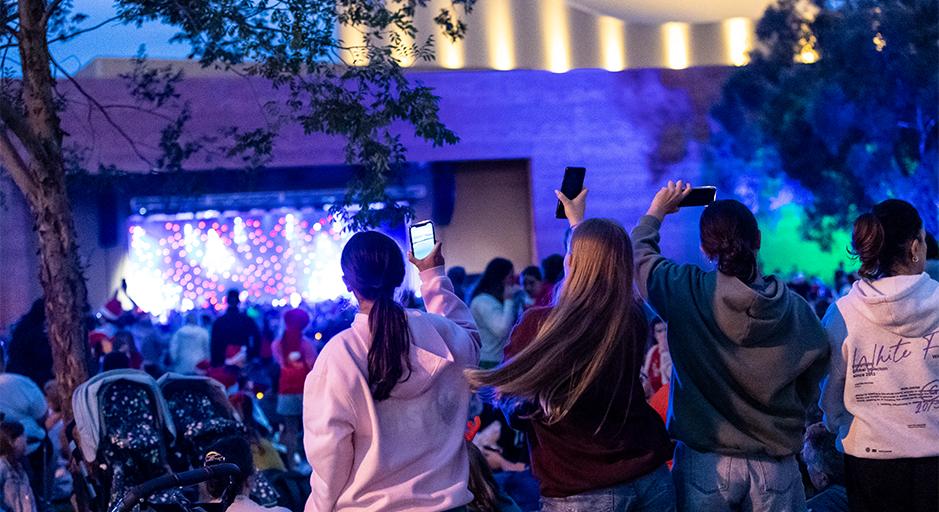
(746, 359)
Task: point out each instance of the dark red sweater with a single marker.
(571, 457)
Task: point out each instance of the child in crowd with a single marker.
(295, 354)
(882, 393)
(657, 369)
(233, 492)
(384, 408)
(574, 383)
(15, 493)
(747, 356)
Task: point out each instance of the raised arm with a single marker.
(439, 297)
(654, 272)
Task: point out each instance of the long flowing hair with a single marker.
(593, 336)
(373, 266)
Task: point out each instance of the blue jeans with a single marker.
(653, 492)
(711, 482)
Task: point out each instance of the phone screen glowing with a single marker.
(422, 239)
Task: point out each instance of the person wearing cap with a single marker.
(101, 339)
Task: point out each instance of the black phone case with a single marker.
(571, 186)
(699, 197)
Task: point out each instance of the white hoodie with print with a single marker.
(882, 393)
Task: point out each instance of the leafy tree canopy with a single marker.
(349, 82)
(839, 102)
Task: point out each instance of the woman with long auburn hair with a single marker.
(384, 408)
(574, 384)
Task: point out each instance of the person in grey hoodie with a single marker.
(747, 358)
(882, 394)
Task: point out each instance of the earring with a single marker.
(915, 259)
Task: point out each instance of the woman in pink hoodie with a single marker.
(385, 406)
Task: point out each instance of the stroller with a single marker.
(123, 427)
(202, 414)
(139, 494)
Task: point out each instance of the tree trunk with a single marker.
(60, 271)
(64, 287)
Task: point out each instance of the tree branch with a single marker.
(104, 112)
(50, 11)
(66, 37)
(14, 164)
(13, 120)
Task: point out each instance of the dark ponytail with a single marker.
(882, 236)
(373, 267)
(730, 235)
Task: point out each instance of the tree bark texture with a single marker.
(41, 177)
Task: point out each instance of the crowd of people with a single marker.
(608, 378)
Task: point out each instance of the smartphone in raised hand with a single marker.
(423, 238)
(699, 196)
(571, 186)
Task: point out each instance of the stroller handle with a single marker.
(170, 480)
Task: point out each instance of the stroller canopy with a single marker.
(89, 412)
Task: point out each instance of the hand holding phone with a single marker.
(571, 187)
(425, 249)
(423, 238)
(668, 198)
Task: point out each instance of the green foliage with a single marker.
(853, 128)
(352, 89)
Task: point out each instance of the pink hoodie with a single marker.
(405, 453)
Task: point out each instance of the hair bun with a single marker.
(867, 243)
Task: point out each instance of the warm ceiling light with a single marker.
(676, 45)
(353, 42)
(500, 37)
(612, 43)
(738, 40)
(556, 35)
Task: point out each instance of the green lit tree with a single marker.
(291, 43)
(840, 100)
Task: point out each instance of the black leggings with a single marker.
(876, 485)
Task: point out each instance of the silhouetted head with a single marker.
(731, 237)
(552, 268)
(229, 450)
(233, 298)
